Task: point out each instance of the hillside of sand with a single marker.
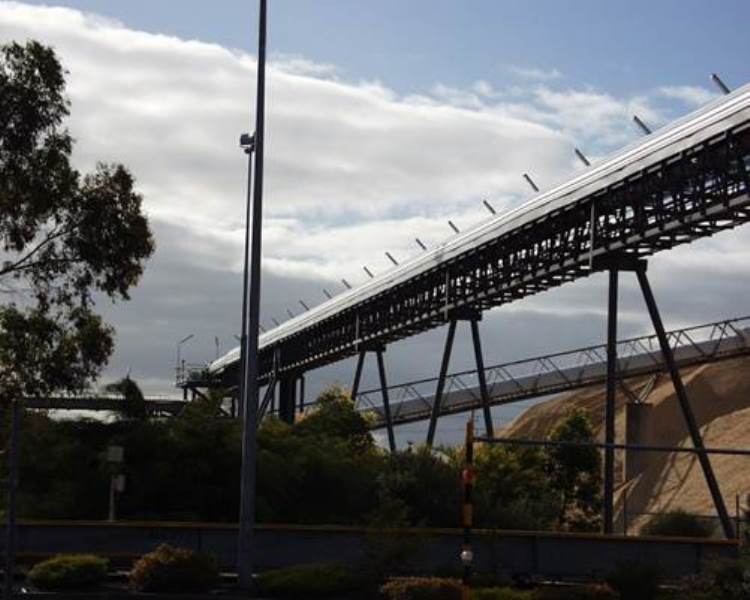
(719, 394)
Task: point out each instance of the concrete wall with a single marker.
(546, 554)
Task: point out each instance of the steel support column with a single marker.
(379, 351)
(267, 397)
(687, 411)
(358, 374)
(287, 399)
(609, 408)
(302, 393)
(489, 428)
(386, 401)
(441, 382)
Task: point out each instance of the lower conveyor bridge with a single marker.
(555, 373)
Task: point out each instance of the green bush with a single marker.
(728, 579)
(422, 588)
(309, 581)
(69, 572)
(678, 523)
(635, 581)
(594, 591)
(501, 593)
(170, 569)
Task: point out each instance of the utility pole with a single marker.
(249, 376)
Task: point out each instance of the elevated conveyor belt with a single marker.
(685, 181)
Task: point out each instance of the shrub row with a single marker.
(167, 569)
(170, 569)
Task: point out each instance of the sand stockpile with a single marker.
(720, 396)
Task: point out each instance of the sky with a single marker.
(385, 119)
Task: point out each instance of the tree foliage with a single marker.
(512, 489)
(65, 237)
(325, 468)
(133, 401)
(575, 473)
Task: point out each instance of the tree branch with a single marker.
(19, 264)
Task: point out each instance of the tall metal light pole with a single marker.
(250, 374)
(247, 143)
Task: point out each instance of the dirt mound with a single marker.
(720, 396)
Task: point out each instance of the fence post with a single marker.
(10, 521)
(467, 478)
(737, 514)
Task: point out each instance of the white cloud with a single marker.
(337, 152)
(353, 168)
(594, 115)
(689, 94)
(535, 73)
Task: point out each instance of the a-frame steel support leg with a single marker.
(358, 374)
(379, 351)
(609, 408)
(386, 402)
(267, 398)
(441, 382)
(484, 394)
(687, 411)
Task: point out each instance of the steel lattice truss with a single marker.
(692, 194)
(554, 373)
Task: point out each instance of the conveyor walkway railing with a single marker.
(560, 372)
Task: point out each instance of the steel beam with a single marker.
(302, 393)
(358, 374)
(287, 400)
(484, 394)
(609, 407)
(441, 382)
(267, 399)
(386, 401)
(687, 411)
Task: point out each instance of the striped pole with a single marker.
(467, 478)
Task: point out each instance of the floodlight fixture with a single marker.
(720, 84)
(582, 157)
(530, 181)
(247, 142)
(644, 128)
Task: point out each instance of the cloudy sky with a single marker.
(384, 120)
